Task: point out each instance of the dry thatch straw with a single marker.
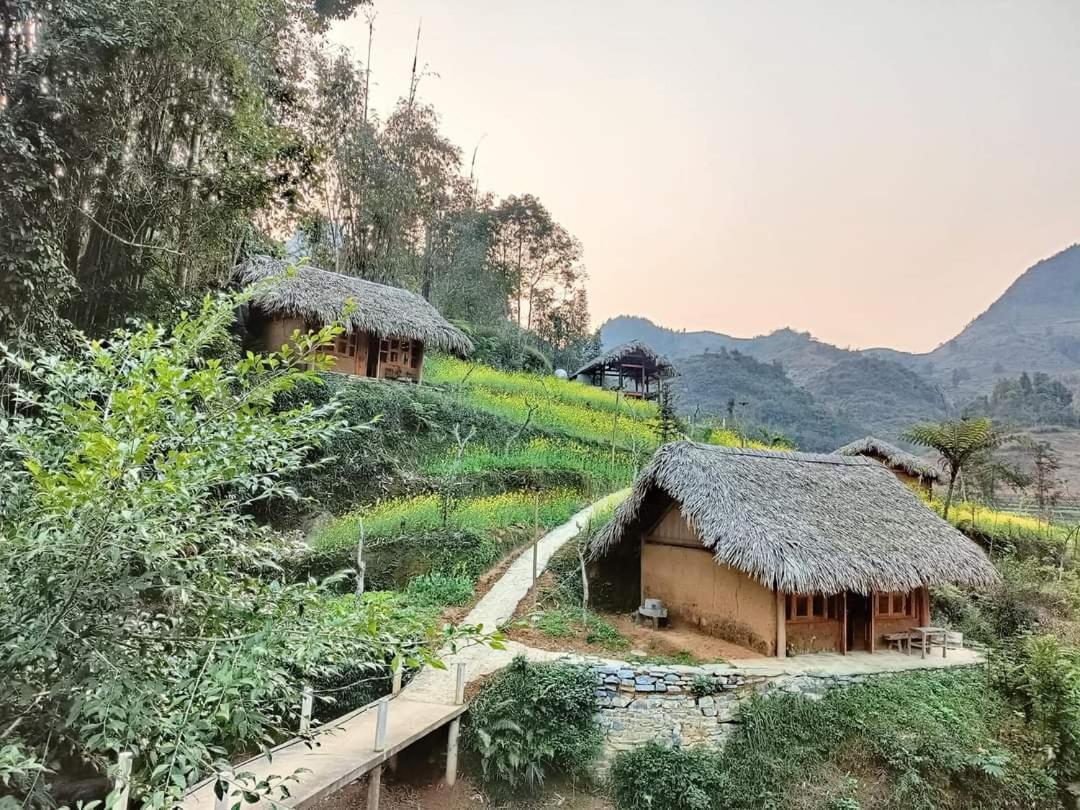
(800, 522)
(892, 457)
(663, 365)
(321, 296)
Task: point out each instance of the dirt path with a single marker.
(496, 608)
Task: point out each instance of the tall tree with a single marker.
(534, 252)
(138, 141)
(956, 442)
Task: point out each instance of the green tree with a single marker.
(137, 143)
(956, 442)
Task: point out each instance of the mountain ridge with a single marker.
(1033, 326)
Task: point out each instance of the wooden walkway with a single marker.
(345, 749)
(341, 752)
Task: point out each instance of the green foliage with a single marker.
(957, 442)
(751, 395)
(531, 722)
(1035, 399)
(653, 777)
(393, 561)
(402, 517)
(1044, 679)
(924, 740)
(142, 605)
(414, 429)
(540, 463)
(439, 590)
(563, 407)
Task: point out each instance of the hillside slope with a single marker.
(764, 396)
(883, 395)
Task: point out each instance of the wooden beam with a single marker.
(843, 623)
(870, 621)
(781, 624)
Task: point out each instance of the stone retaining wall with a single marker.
(685, 705)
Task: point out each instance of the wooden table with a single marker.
(926, 637)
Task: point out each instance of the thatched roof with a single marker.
(663, 365)
(320, 295)
(892, 456)
(802, 522)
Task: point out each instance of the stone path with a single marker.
(496, 607)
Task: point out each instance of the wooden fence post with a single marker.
(380, 724)
(307, 702)
(122, 783)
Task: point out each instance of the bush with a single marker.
(1043, 677)
(532, 721)
(657, 778)
(440, 590)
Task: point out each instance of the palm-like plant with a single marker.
(956, 442)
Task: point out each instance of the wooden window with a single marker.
(896, 605)
(812, 607)
(395, 351)
(345, 345)
(417, 353)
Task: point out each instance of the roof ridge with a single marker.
(786, 455)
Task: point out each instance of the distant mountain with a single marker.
(882, 394)
(1034, 326)
(763, 396)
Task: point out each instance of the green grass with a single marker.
(407, 516)
(541, 453)
(439, 590)
(569, 408)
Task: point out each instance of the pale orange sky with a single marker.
(876, 172)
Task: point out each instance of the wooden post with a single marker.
(781, 624)
(374, 787)
(307, 702)
(459, 684)
(870, 622)
(396, 684)
(122, 783)
(380, 724)
(924, 606)
(452, 751)
(843, 625)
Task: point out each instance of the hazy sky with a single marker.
(873, 171)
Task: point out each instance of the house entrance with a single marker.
(859, 610)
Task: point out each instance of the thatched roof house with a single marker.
(632, 367)
(907, 466)
(388, 328)
(724, 532)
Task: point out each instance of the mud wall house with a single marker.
(783, 552)
(912, 470)
(388, 329)
(634, 368)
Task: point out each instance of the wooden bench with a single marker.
(896, 641)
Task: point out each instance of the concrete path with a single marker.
(497, 607)
(345, 748)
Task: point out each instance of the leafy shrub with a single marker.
(653, 777)
(1044, 679)
(532, 721)
(440, 590)
(935, 736)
